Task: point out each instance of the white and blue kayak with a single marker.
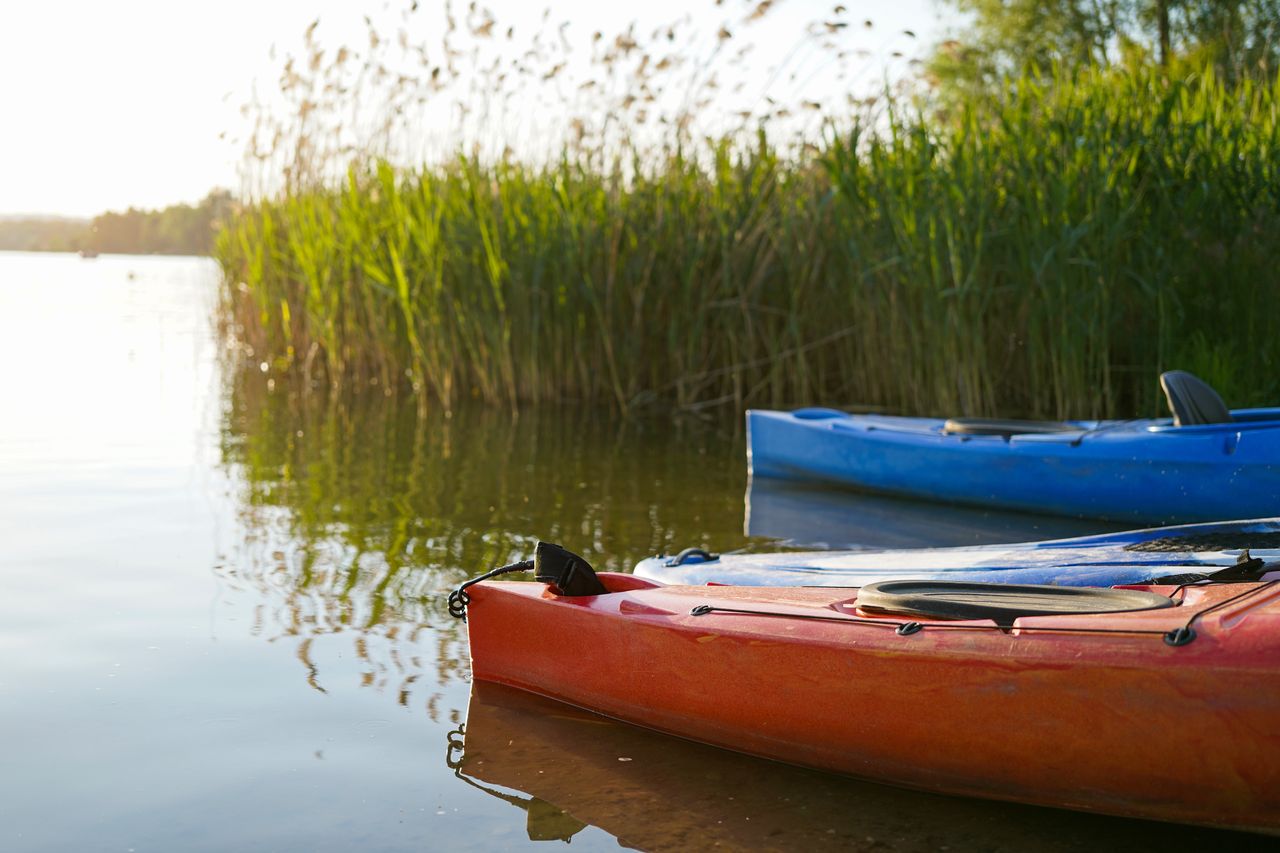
(1163, 554)
(1206, 463)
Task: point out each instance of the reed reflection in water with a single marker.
(361, 512)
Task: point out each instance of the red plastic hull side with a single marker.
(1117, 724)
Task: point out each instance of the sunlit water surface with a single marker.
(222, 622)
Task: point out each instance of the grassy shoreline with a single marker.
(1043, 254)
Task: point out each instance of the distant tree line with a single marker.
(42, 234)
(181, 229)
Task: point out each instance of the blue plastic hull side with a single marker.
(1138, 472)
(1101, 560)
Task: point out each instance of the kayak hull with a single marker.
(566, 768)
(1126, 557)
(1135, 471)
(1115, 723)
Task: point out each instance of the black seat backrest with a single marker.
(1192, 401)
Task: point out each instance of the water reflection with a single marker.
(816, 516)
(359, 513)
(567, 769)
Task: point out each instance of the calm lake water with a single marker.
(222, 623)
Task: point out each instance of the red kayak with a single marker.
(1159, 702)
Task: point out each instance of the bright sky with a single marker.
(106, 105)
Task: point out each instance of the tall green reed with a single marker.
(1043, 252)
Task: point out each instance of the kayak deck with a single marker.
(1094, 712)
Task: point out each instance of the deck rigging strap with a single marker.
(1106, 426)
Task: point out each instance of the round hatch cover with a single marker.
(1002, 602)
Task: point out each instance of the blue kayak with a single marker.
(1134, 556)
(1206, 463)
